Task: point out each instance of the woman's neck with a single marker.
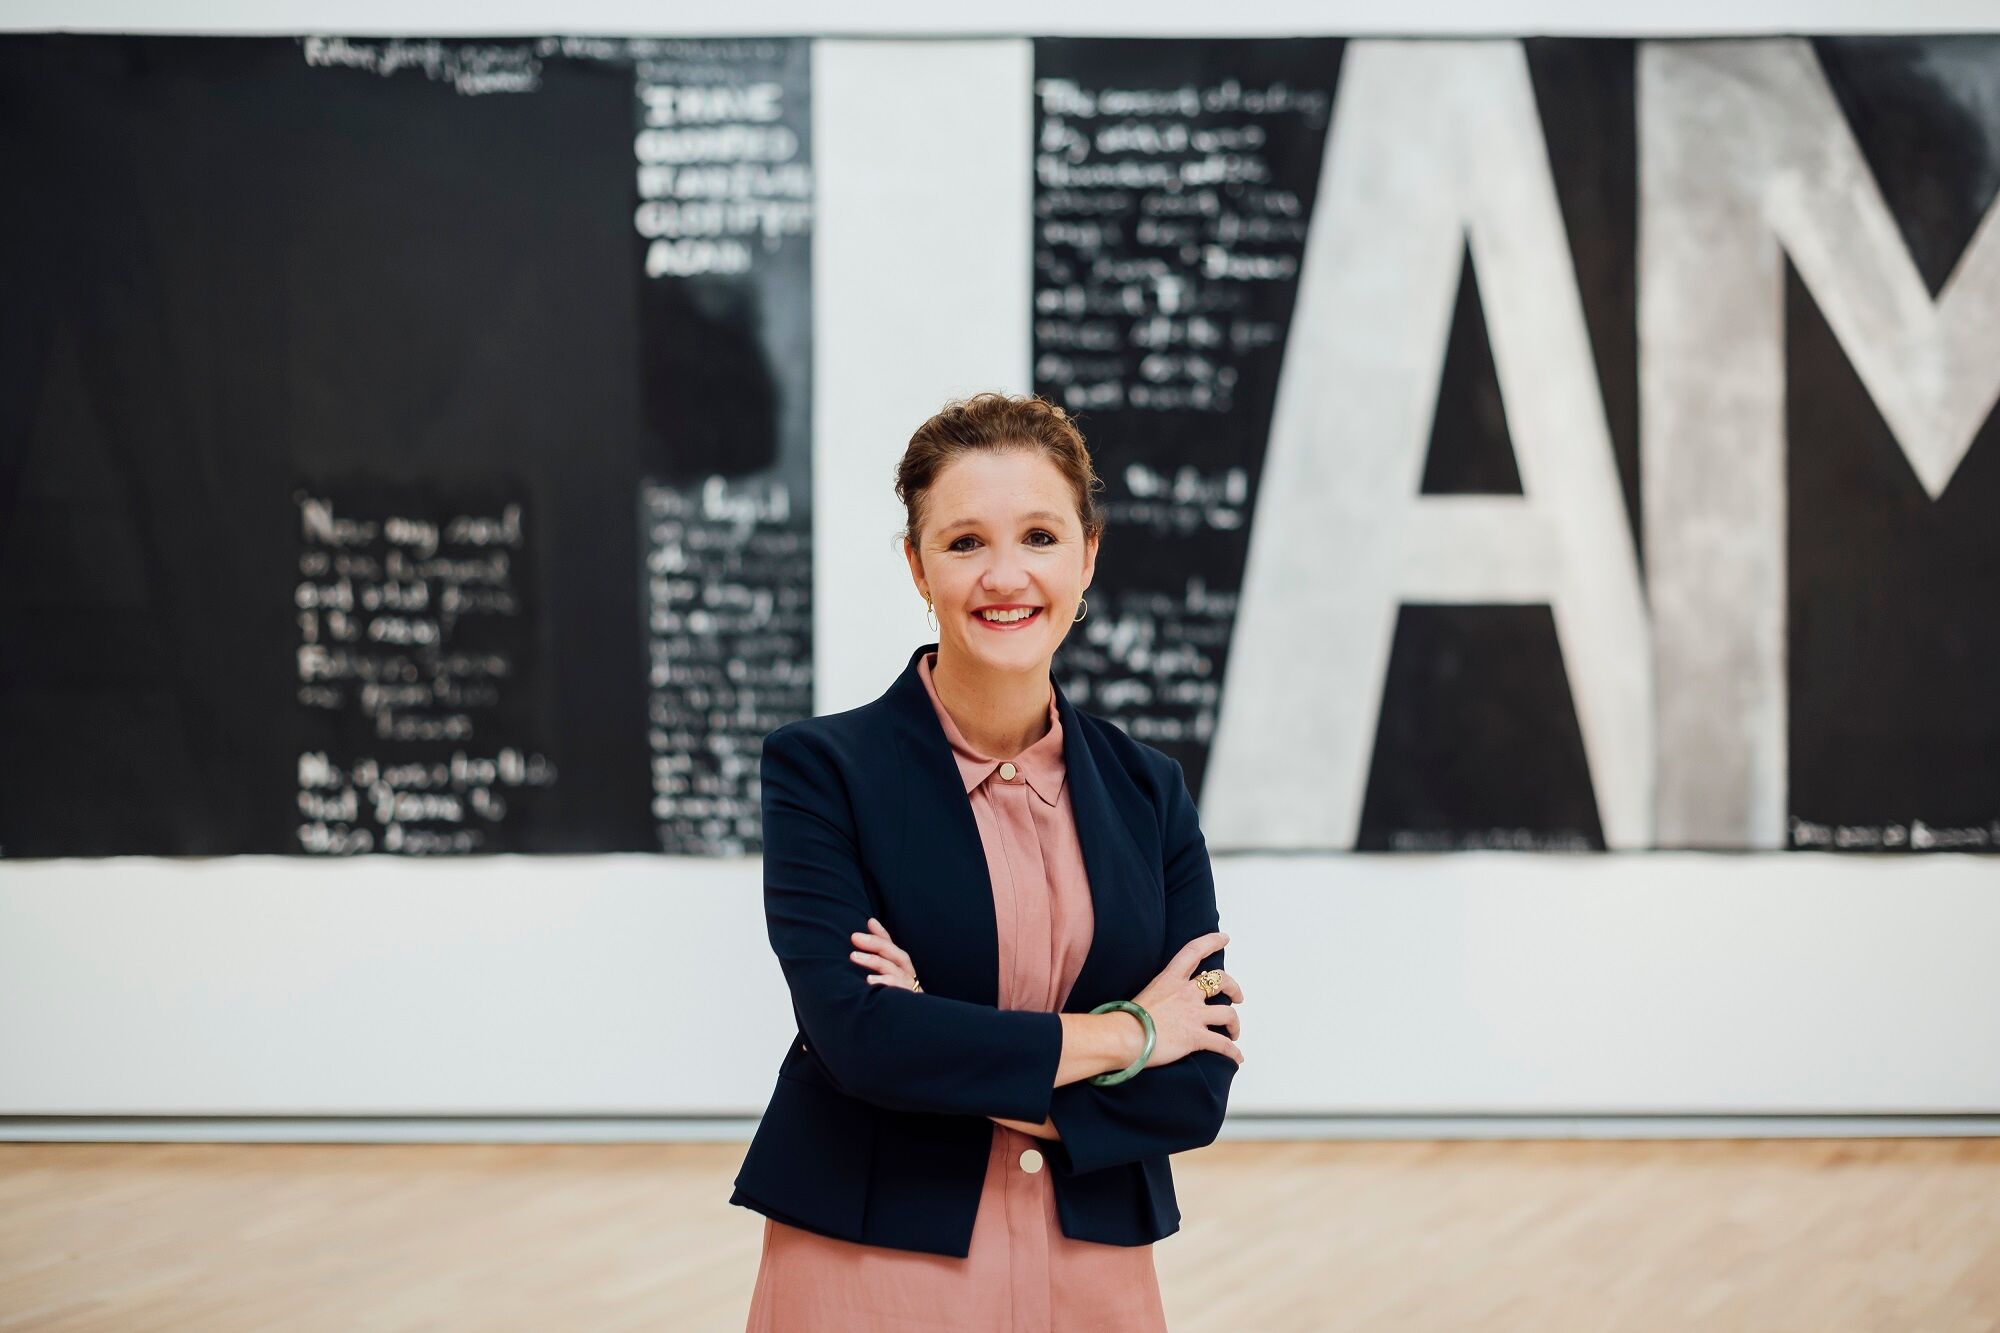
(998, 713)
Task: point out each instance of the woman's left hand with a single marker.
(888, 964)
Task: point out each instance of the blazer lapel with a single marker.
(943, 896)
(1125, 903)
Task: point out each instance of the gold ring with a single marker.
(1210, 983)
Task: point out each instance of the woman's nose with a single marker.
(1005, 575)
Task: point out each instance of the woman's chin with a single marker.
(1007, 648)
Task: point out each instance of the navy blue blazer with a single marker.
(876, 1130)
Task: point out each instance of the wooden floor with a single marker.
(1818, 1236)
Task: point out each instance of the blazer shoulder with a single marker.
(847, 735)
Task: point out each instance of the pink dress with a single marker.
(1022, 1275)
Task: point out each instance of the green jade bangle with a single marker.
(1106, 1080)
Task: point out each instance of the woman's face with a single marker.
(1001, 534)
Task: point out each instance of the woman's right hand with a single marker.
(1182, 1015)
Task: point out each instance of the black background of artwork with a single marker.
(1893, 647)
(234, 274)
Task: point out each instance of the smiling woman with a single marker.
(984, 1149)
(1002, 536)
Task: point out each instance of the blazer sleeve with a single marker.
(897, 1048)
(1166, 1108)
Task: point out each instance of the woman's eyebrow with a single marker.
(1039, 516)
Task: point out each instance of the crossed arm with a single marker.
(913, 1051)
(1092, 1043)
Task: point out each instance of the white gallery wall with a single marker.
(1424, 986)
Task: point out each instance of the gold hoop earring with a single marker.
(931, 611)
(1082, 609)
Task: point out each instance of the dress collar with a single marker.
(1041, 765)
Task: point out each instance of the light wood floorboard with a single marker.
(1816, 1235)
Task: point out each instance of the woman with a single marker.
(1048, 875)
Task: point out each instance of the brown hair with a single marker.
(997, 421)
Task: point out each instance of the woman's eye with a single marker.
(1038, 532)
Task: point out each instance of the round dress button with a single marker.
(1007, 771)
(1031, 1160)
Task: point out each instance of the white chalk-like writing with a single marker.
(722, 173)
(471, 68)
(728, 582)
(1156, 209)
(409, 634)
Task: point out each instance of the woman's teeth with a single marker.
(1007, 619)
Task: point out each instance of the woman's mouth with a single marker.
(1030, 618)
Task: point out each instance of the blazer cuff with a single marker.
(1165, 1109)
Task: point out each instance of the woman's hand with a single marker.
(890, 965)
(1182, 1015)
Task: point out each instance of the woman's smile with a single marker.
(1009, 617)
